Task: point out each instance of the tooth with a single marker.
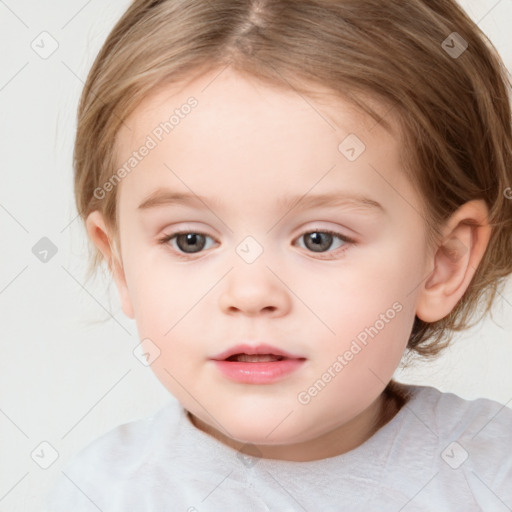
(256, 358)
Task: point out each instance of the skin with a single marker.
(244, 146)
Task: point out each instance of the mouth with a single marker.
(255, 358)
(257, 365)
(255, 354)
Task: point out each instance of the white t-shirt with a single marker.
(438, 453)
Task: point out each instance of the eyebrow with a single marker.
(167, 197)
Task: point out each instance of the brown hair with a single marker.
(453, 107)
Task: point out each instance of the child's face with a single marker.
(346, 308)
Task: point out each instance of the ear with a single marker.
(464, 240)
(100, 235)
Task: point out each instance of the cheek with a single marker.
(162, 295)
(363, 295)
(166, 307)
(377, 340)
(370, 305)
(365, 361)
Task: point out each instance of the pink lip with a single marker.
(257, 373)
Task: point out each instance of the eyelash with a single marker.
(187, 256)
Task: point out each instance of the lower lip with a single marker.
(258, 373)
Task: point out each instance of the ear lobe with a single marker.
(102, 239)
(465, 238)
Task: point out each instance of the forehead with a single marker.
(222, 127)
(222, 94)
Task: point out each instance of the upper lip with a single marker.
(254, 349)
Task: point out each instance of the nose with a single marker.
(254, 290)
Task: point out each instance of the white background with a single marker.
(67, 372)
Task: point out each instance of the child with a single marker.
(341, 170)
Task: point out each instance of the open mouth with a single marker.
(269, 365)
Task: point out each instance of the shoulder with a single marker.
(123, 445)
(472, 439)
(112, 461)
(450, 415)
